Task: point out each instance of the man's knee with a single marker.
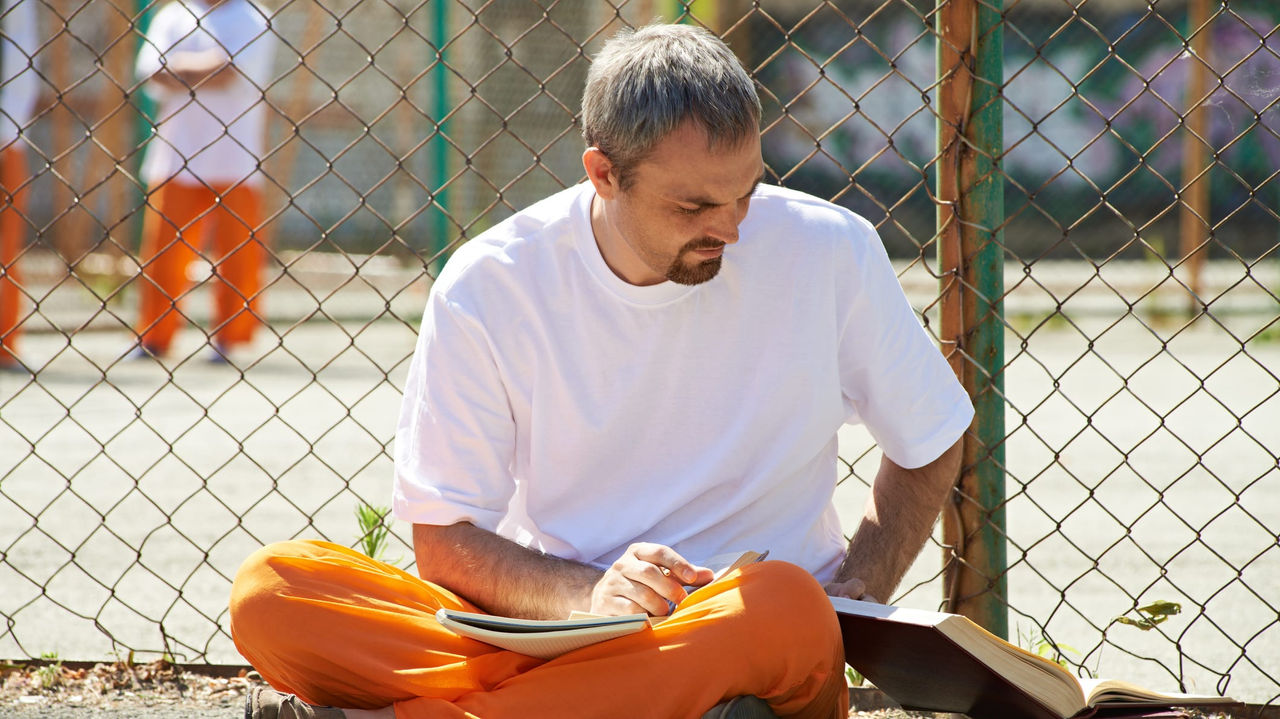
(261, 584)
(783, 599)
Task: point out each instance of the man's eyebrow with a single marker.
(704, 202)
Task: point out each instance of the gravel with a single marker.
(119, 690)
(158, 690)
(161, 690)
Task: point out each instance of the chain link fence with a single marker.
(1141, 272)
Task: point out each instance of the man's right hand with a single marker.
(648, 578)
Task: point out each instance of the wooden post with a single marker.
(116, 129)
(67, 233)
(1195, 228)
(280, 165)
(970, 199)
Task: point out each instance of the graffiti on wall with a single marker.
(1091, 112)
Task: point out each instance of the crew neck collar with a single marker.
(661, 293)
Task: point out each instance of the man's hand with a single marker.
(852, 588)
(647, 578)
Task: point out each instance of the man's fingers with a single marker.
(659, 580)
(852, 588)
(622, 595)
(650, 601)
(663, 556)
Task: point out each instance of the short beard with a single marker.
(684, 274)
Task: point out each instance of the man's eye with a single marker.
(687, 210)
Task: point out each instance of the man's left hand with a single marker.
(852, 588)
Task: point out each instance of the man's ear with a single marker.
(600, 173)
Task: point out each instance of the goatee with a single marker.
(682, 273)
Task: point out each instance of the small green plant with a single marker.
(853, 676)
(1042, 646)
(50, 675)
(1151, 616)
(373, 529)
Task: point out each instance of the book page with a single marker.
(1104, 691)
(530, 626)
(1045, 680)
(967, 667)
(1041, 679)
(722, 564)
(538, 638)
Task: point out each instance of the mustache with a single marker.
(702, 243)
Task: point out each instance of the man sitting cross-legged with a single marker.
(630, 376)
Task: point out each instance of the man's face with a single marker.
(682, 207)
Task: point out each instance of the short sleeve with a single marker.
(19, 83)
(254, 58)
(455, 438)
(894, 379)
(154, 44)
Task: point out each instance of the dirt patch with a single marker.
(108, 684)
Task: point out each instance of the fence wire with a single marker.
(1141, 142)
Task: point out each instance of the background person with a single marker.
(206, 64)
(19, 87)
(637, 373)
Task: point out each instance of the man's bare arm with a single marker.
(505, 578)
(186, 70)
(499, 575)
(897, 521)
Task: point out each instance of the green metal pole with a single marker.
(971, 259)
(143, 112)
(437, 147)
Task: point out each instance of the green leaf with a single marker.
(1161, 609)
(373, 529)
(1152, 615)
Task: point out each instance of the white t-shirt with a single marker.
(19, 80)
(215, 136)
(569, 411)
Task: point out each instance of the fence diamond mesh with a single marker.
(1141, 272)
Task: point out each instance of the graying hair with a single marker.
(644, 83)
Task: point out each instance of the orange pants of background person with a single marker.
(220, 222)
(13, 229)
(335, 627)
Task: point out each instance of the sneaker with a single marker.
(744, 707)
(218, 355)
(267, 703)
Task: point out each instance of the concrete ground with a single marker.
(1141, 462)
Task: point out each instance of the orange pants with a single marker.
(335, 627)
(13, 229)
(181, 221)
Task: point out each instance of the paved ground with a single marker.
(131, 490)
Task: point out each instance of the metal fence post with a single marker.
(970, 199)
(439, 148)
(143, 112)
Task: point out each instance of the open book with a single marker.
(551, 638)
(944, 662)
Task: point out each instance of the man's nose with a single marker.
(725, 221)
